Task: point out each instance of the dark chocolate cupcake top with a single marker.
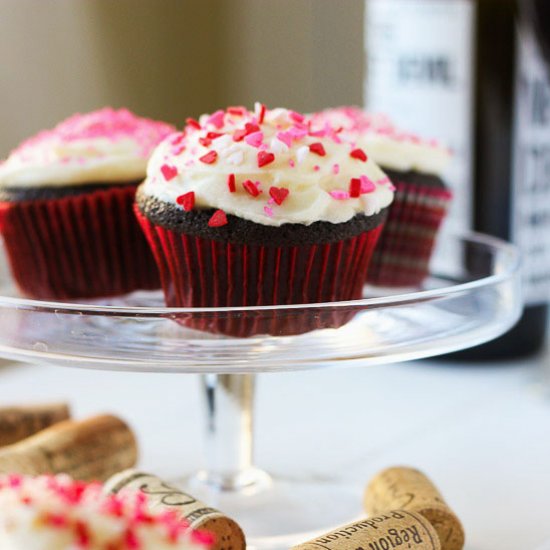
(267, 167)
(103, 147)
(389, 146)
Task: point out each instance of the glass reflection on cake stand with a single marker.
(471, 296)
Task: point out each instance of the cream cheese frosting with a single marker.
(392, 148)
(267, 167)
(104, 146)
(57, 513)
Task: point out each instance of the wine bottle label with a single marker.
(531, 175)
(420, 60)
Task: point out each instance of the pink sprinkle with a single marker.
(339, 194)
(296, 117)
(335, 168)
(217, 119)
(297, 133)
(255, 139)
(291, 163)
(268, 211)
(316, 168)
(285, 137)
(367, 186)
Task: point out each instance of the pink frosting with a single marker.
(107, 123)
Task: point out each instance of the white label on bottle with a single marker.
(420, 58)
(531, 179)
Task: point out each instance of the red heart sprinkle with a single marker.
(251, 188)
(193, 123)
(231, 183)
(355, 188)
(318, 149)
(278, 194)
(209, 158)
(205, 142)
(251, 128)
(213, 135)
(359, 154)
(187, 201)
(265, 158)
(218, 219)
(169, 172)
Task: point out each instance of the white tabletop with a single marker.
(482, 433)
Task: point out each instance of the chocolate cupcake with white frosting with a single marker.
(66, 200)
(415, 167)
(252, 209)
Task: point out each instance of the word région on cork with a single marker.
(394, 529)
(228, 535)
(409, 489)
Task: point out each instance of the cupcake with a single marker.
(66, 199)
(57, 513)
(251, 209)
(415, 167)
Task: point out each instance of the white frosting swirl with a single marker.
(389, 146)
(47, 513)
(316, 170)
(105, 146)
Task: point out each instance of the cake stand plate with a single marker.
(471, 295)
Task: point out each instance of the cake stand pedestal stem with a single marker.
(229, 445)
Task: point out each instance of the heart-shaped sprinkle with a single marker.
(359, 154)
(209, 158)
(254, 139)
(192, 123)
(278, 194)
(169, 172)
(265, 158)
(187, 201)
(318, 149)
(218, 219)
(367, 186)
(252, 187)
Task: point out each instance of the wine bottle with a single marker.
(471, 73)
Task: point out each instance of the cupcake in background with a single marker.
(55, 513)
(415, 167)
(66, 207)
(252, 209)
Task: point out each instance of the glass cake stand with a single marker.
(471, 296)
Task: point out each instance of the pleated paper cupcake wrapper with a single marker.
(402, 256)
(202, 273)
(83, 246)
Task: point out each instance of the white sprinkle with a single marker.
(236, 158)
(222, 142)
(277, 146)
(301, 154)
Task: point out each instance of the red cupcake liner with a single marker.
(403, 253)
(199, 272)
(83, 246)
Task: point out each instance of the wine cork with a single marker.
(394, 529)
(17, 423)
(228, 534)
(410, 489)
(91, 449)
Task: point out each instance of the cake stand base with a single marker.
(285, 512)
